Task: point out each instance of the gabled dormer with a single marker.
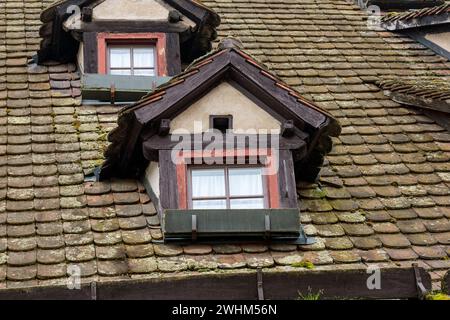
(220, 147)
(124, 48)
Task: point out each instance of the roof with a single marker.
(429, 90)
(417, 18)
(431, 94)
(384, 197)
(227, 62)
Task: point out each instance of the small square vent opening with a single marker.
(221, 123)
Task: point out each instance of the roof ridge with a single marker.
(416, 13)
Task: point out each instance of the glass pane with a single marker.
(208, 183)
(119, 58)
(119, 71)
(143, 58)
(144, 72)
(257, 203)
(245, 181)
(209, 204)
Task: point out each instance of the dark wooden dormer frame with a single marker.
(140, 121)
(143, 135)
(188, 42)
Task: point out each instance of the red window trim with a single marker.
(182, 171)
(158, 39)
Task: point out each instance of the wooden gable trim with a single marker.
(248, 77)
(311, 123)
(192, 86)
(253, 73)
(195, 11)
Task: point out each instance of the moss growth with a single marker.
(319, 193)
(437, 296)
(310, 295)
(361, 212)
(76, 124)
(303, 264)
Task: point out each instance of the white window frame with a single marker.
(131, 47)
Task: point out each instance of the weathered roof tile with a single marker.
(390, 163)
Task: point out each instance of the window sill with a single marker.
(249, 223)
(97, 87)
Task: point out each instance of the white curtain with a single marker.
(245, 181)
(119, 58)
(208, 183)
(144, 57)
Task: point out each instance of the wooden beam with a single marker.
(158, 142)
(287, 128)
(90, 52)
(164, 127)
(133, 26)
(286, 180)
(173, 54)
(86, 14)
(189, 9)
(168, 188)
(332, 282)
(174, 16)
(445, 286)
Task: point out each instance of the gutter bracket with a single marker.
(194, 227)
(93, 290)
(286, 179)
(267, 226)
(112, 92)
(259, 284)
(421, 290)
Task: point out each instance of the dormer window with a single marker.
(132, 54)
(229, 187)
(239, 184)
(136, 60)
(124, 49)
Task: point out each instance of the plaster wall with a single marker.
(224, 100)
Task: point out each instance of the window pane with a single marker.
(209, 204)
(144, 72)
(119, 71)
(257, 203)
(208, 183)
(245, 181)
(119, 58)
(143, 58)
